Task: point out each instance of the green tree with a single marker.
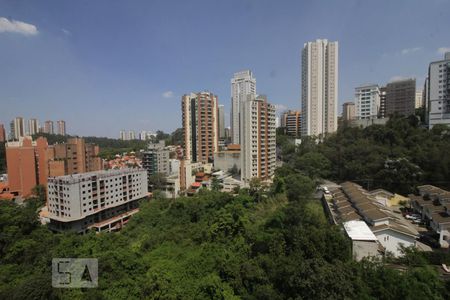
(299, 187)
(313, 164)
(40, 192)
(157, 181)
(215, 184)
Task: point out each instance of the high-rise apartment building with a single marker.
(382, 110)
(200, 126)
(367, 99)
(61, 125)
(348, 111)
(242, 85)
(48, 127)
(319, 87)
(143, 135)
(227, 132)
(27, 165)
(221, 117)
(101, 201)
(131, 135)
(33, 126)
(401, 97)
(419, 99)
(291, 122)
(17, 128)
(74, 157)
(258, 142)
(438, 92)
(2, 133)
(156, 159)
(123, 135)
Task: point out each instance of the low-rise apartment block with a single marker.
(352, 203)
(102, 200)
(433, 204)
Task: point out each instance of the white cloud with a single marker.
(17, 27)
(168, 94)
(410, 50)
(65, 31)
(443, 50)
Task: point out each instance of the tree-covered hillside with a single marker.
(257, 245)
(397, 156)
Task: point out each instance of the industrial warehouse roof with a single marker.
(359, 231)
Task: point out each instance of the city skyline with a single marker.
(114, 64)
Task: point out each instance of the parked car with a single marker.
(430, 241)
(413, 217)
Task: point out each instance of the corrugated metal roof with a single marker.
(359, 231)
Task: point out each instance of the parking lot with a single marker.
(427, 238)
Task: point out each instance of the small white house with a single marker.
(392, 236)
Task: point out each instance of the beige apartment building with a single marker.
(258, 144)
(31, 162)
(348, 111)
(200, 126)
(61, 126)
(74, 157)
(291, 122)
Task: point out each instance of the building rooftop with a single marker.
(346, 210)
(441, 217)
(395, 227)
(359, 231)
(375, 214)
(350, 217)
(378, 191)
(100, 174)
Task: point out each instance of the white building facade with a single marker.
(221, 117)
(33, 126)
(367, 99)
(242, 85)
(319, 87)
(438, 92)
(99, 200)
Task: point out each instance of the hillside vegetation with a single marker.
(397, 157)
(257, 245)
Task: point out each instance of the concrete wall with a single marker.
(361, 249)
(225, 160)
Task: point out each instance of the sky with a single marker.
(103, 66)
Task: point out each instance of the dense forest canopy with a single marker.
(260, 244)
(397, 156)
